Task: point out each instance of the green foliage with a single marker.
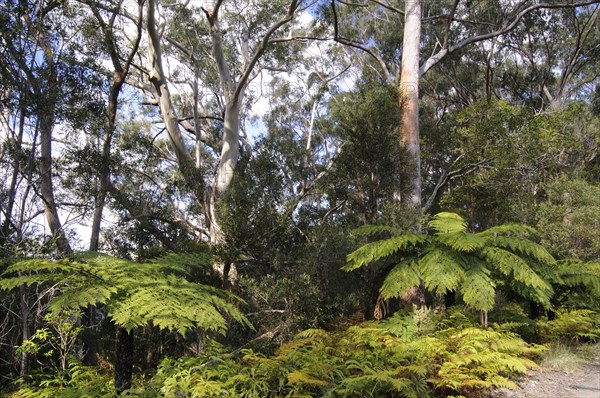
(570, 326)
(76, 382)
(419, 354)
(134, 293)
(450, 258)
(570, 218)
(521, 174)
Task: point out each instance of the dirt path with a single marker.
(547, 383)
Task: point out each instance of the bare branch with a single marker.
(506, 27)
(360, 46)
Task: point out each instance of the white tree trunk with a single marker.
(231, 147)
(157, 77)
(409, 99)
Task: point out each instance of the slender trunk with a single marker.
(157, 77)
(113, 100)
(123, 359)
(48, 96)
(12, 191)
(46, 186)
(483, 319)
(24, 371)
(409, 100)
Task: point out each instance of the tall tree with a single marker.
(237, 61)
(452, 26)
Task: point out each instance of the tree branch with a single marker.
(507, 26)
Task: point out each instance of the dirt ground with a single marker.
(547, 383)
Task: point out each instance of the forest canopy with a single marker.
(295, 197)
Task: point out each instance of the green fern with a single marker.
(441, 269)
(372, 252)
(401, 278)
(134, 293)
(452, 259)
(445, 222)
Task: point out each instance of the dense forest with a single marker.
(296, 198)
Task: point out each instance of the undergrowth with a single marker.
(393, 358)
(418, 354)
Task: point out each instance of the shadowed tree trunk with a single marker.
(47, 97)
(123, 359)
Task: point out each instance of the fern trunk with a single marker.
(24, 370)
(450, 299)
(123, 359)
(89, 337)
(483, 317)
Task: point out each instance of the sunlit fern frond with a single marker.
(446, 222)
(374, 251)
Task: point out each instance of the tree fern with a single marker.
(134, 293)
(445, 222)
(478, 288)
(449, 258)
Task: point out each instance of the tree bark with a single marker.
(231, 147)
(12, 191)
(46, 121)
(409, 101)
(46, 107)
(123, 359)
(24, 370)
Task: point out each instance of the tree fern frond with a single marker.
(446, 222)
(575, 272)
(519, 230)
(511, 264)
(441, 270)
(183, 262)
(375, 251)
(81, 295)
(462, 241)
(38, 265)
(135, 293)
(523, 246)
(478, 288)
(401, 279)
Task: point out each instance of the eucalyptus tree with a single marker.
(32, 45)
(121, 50)
(228, 46)
(373, 28)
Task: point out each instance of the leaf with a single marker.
(401, 279)
(462, 241)
(518, 230)
(511, 264)
(375, 251)
(370, 230)
(478, 289)
(446, 222)
(441, 270)
(299, 377)
(523, 246)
